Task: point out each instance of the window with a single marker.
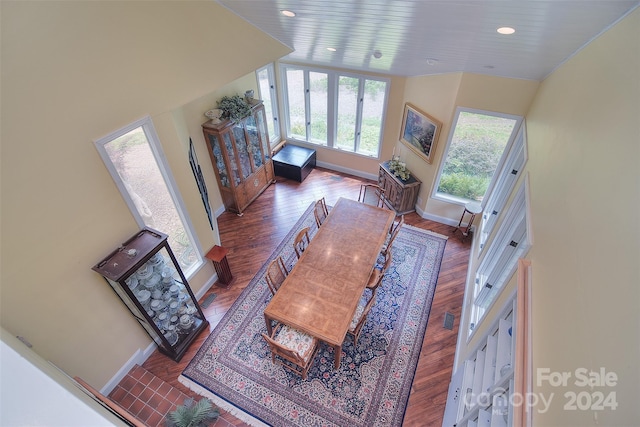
(268, 94)
(512, 242)
(135, 160)
(475, 150)
(506, 180)
(335, 110)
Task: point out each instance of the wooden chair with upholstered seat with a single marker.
(360, 317)
(320, 211)
(294, 346)
(393, 233)
(301, 241)
(276, 273)
(371, 194)
(378, 273)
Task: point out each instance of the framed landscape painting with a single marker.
(419, 132)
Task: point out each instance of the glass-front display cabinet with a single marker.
(241, 157)
(146, 276)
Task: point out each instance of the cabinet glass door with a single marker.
(243, 153)
(254, 142)
(263, 134)
(219, 160)
(233, 164)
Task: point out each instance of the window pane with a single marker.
(318, 105)
(267, 94)
(372, 111)
(475, 150)
(132, 157)
(295, 94)
(347, 109)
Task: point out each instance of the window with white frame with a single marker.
(134, 158)
(511, 242)
(476, 148)
(333, 109)
(506, 180)
(268, 94)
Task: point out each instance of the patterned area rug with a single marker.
(233, 367)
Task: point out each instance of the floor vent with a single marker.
(448, 321)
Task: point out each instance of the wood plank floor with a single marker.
(252, 237)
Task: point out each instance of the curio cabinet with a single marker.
(146, 276)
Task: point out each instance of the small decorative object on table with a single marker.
(399, 168)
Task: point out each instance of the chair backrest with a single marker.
(355, 329)
(282, 351)
(276, 273)
(393, 233)
(320, 211)
(378, 272)
(371, 194)
(301, 241)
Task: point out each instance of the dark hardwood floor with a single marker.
(252, 237)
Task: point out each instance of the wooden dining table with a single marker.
(321, 293)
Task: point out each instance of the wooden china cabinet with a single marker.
(241, 157)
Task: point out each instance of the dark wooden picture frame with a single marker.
(419, 132)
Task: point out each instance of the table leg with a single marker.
(338, 354)
(268, 322)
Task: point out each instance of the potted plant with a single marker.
(193, 414)
(234, 108)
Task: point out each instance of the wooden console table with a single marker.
(399, 195)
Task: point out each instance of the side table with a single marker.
(472, 208)
(218, 255)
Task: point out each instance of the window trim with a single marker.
(156, 148)
(273, 89)
(519, 210)
(457, 200)
(333, 77)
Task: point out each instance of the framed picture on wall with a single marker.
(419, 132)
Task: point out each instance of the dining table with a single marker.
(321, 292)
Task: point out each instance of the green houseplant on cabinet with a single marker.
(234, 108)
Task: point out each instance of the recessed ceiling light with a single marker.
(506, 30)
(331, 49)
(288, 13)
(377, 54)
(432, 61)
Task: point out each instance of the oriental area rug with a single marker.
(233, 368)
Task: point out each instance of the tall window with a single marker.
(511, 242)
(335, 110)
(268, 94)
(134, 158)
(475, 150)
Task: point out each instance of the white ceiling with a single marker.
(419, 37)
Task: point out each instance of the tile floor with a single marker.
(149, 399)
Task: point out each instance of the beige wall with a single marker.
(584, 144)
(73, 72)
(439, 96)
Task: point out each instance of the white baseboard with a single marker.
(349, 171)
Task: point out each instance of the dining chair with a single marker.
(360, 317)
(371, 194)
(276, 273)
(393, 233)
(320, 211)
(294, 346)
(378, 273)
(301, 241)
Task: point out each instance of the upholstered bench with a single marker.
(294, 162)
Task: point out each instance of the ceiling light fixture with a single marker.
(288, 13)
(331, 49)
(432, 61)
(377, 54)
(506, 30)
